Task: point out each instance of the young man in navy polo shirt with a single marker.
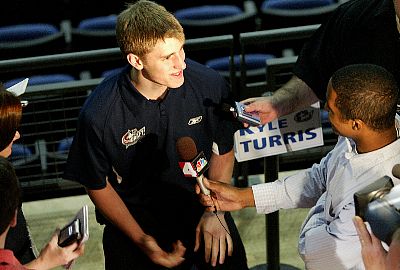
(124, 152)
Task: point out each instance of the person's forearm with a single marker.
(246, 197)
(221, 167)
(109, 203)
(293, 96)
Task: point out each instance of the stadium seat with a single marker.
(26, 40)
(111, 72)
(214, 20)
(42, 79)
(22, 156)
(94, 33)
(62, 150)
(296, 4)
(255, 66)
(288, 13)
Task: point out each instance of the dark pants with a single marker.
(120, 253)
(18, 240)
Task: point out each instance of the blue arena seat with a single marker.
(42, 79)
(288, 13)
(62, 150)
(111, 72)
(19, 151)
(25, 40)
(295, 4)
(253, 61)
(255, 68)
(103, 23)
(207, 12)
(94, 33)
(23, 32)
(214, 20)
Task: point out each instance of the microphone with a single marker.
(396, 171)
(193, 164)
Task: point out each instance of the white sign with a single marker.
(293, 132)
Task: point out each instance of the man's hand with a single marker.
(291, 97)
(217, 239)
(264, 107)
(158, 256)
(373, 254)
(225, 197)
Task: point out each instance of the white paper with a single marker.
(19, 88)
(293, 132)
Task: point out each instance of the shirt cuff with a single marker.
(264, 198)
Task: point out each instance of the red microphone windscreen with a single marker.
(186, 148)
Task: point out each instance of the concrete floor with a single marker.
(44, 216)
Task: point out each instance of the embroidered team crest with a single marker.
(195, 120)
(133, 136)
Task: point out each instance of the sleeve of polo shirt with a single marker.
(227, 125)
(321, 54)
(87, 162)
(301, 190)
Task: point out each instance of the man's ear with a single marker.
(357, 124)
(135, 61)
(13, 222)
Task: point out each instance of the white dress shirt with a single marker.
(328, 238)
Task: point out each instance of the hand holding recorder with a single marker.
(65, 245)
(77, 231)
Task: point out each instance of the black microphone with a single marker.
(396, 171)
(193, 164)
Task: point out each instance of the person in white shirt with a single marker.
(361, 101)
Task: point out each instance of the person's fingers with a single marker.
(214, 251)
(197, 240)
(54, 237)
(362, 231)
(213, 185)
(179, 248)
(72, 247)
(207, 247)
(230, 245)
(375, 240)
(222, 250)
(80, 250)
(248, 101)
(206, 183)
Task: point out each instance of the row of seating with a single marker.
(253, 58)
(200, 21)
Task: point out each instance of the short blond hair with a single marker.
(142, 24)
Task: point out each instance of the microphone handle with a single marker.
(204, 190)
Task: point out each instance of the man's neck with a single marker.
(148, 89)
(373, 140)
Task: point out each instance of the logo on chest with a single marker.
(132, 136)
(195, 120)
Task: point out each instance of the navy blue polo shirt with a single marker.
(132, 140)
(358, 32)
